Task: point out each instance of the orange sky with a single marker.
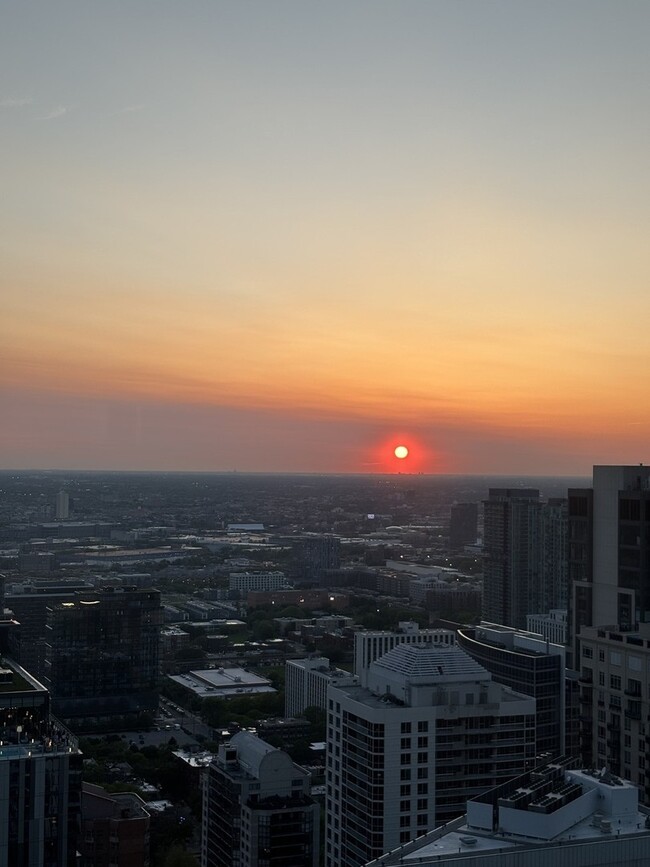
(437, 236)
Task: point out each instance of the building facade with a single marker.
(102, 655)
(115, 829)
(257, 809)
(463, 525)
(404, 752)
(307, 681)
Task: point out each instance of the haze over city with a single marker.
(290, 237)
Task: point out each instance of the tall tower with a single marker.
(511, 556)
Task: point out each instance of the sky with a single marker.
(288, 235)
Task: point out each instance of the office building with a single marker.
(554, 815)
(370, 645)
(40, 777)
(102, 656)
(307, 681)
(115, 829)
(430, 728)
(463, 525)
(257, 809)
(533, 666)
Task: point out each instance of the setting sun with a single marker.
(401, 452)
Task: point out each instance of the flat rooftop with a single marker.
(223, 682)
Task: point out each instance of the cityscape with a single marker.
(324, 474)
(226, 669)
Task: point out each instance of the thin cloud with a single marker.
(15, 101)
(58, 111)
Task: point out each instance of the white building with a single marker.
(307, 682)
(553, 816)
(369, 646)
(404, 752)
(62, 512)
(551, 626)
(223, 683)
(242, 582)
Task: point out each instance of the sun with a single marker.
(401, 452)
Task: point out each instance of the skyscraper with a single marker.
(511, 561)
(62, 512)
(257, 809)
(429, 730)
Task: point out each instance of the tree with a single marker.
(178, 857)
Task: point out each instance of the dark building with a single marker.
(102, 656)
(463, 525)
(313, 556)
(533, 666)
(40, 777)
(30, 610)
(257, 810)
(115, 829)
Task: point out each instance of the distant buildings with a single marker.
(242, 582)
(551, 626)
(62, 506)
(309, 599)
(102, 656)
(40, 777)
(307, 682)
(553, 815)
(257, 809)
(314, 556)
(428, 729)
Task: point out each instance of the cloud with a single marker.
(58, 111)
(15, 101)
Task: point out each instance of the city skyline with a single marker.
(288, 237)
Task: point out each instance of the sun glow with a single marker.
(401, 452)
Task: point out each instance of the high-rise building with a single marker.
(102, 655)
(40, 777)
(430, 729)
(370, 645)
(525, 555)
(463, 525)
(510, 545)
(257, 809)
(609, 550)
(307, 681)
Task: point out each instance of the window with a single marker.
(423, 743)
(423, 726)
(587, 652)
(614, 657)
(423, 804)
(404, 821)
(405, 743)
(406, 728)
(423, 773)
(405, 774)
(404, 791)
(423, 820)
(405, 759)
(405, 807)
(423, 788)
(614, 681)
(423, 758)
